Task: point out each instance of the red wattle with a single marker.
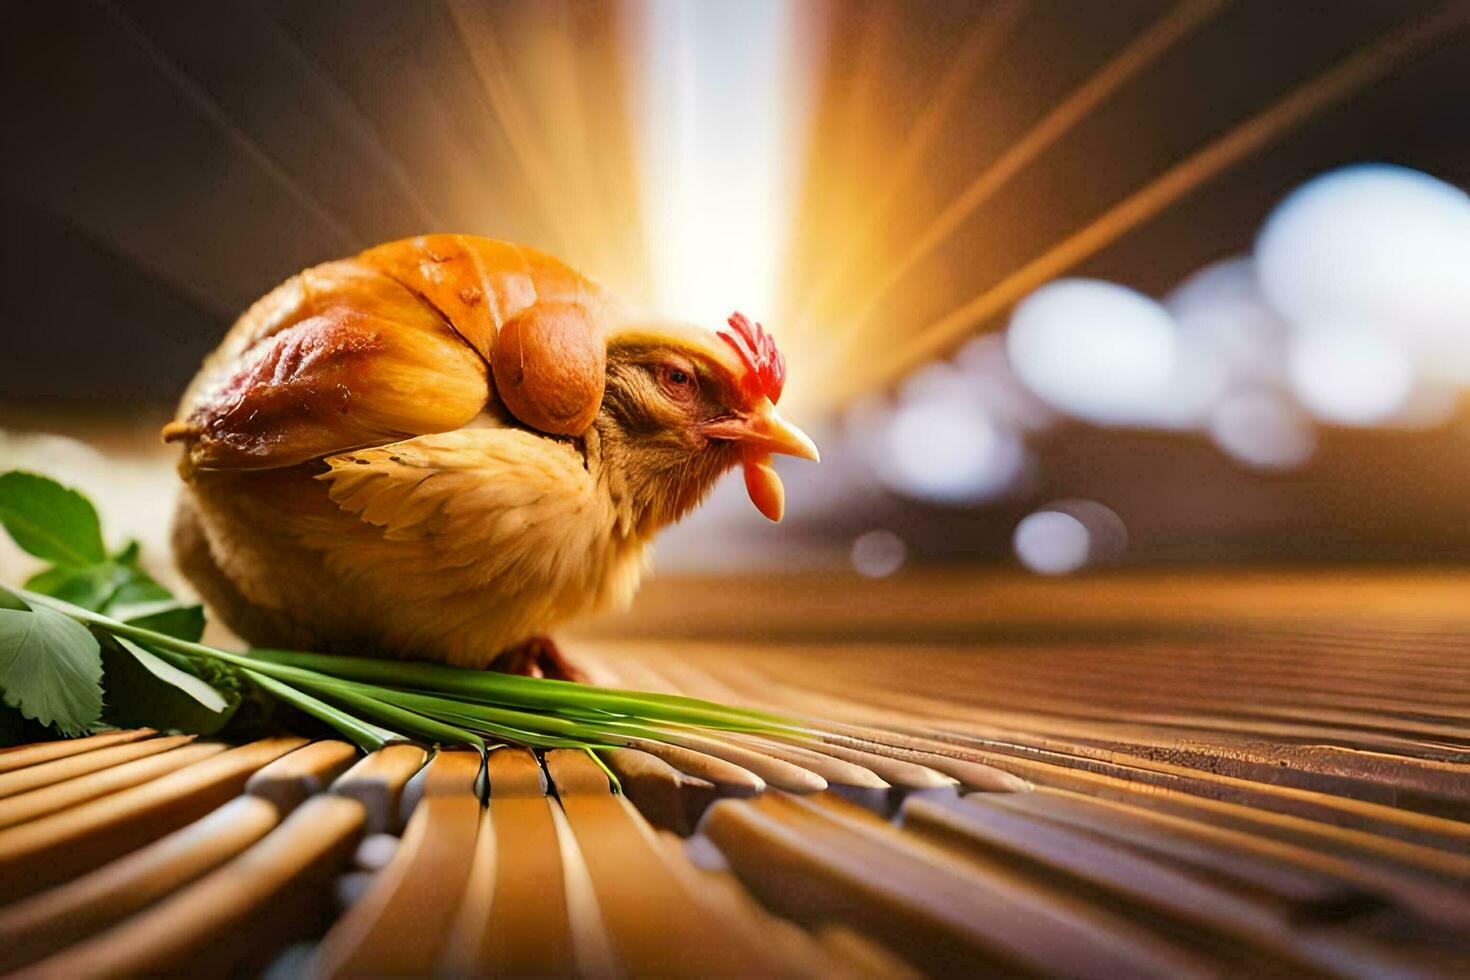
(764, 485)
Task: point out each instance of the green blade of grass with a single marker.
(364, 735)
(486, 686)
(412, 697)
(430, 729)
(282, 676)
(373, 701)
(526, 692)
(526, 728)
(612, 777)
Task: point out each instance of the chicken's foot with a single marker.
(538, 657)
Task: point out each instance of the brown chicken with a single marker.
(446, 447)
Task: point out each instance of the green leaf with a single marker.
(181, 619)
(118, 582)
(139, 586)
(49, 520)
(50, 669)
(181, 679)
(90, 587)
(9, 600)
(146, 690)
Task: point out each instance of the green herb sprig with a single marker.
(93, 642)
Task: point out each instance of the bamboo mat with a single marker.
(1149, 774)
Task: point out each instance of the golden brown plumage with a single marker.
(446, 447)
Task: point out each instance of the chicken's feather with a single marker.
(339, 356)
(513, 518)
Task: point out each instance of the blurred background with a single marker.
(1062, 284)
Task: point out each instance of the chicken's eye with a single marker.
(676, 381)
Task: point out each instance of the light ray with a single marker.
(723, 111)
(990, 31)
(558, 96)
(855, 125)
(211, 306)
(1135, 57)
(211, 110)
(1345, 79)
(366, 130)
(845, 128)
(482, 47)
(570, 144)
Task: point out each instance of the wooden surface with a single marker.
(1143, 775)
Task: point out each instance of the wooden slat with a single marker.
(515, 917)
(754, 689)
(861, 956)
(837, 772)
(21, 756)
(38, 803)
(1153, 886)
(377, 783)
(47, 923)
(291, 779)
(400, 926)
(1132, 782)
(1001, 736)
(72, 766)
(1297, 842)
(665, 796)
(728, 778)
(1187, 845)
(778, 772)
(656, 925)
(799, 952)
(46, 852)
(808, 865)
(902, 773)
(276, 890)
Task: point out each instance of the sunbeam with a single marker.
(1330, 88)
(723, 97)
(989, 33)
(353, 117)
(475, 32)
(1137, 56)
(210, 109)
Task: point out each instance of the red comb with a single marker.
(765, 367)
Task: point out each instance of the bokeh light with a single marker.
(1375, 245)
(1352, 375)
(878, 554)
(946, 452)
(1221, 314)
(1050, 542)
(1263, 430)
(1094, 350)
(1066, 536)
(989, 375)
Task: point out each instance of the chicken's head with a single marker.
(684, 404)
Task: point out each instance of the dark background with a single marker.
(168, 162)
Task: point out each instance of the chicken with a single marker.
(449, 446)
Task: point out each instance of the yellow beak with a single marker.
(762, 428)
(761, 432)
(769, 431)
